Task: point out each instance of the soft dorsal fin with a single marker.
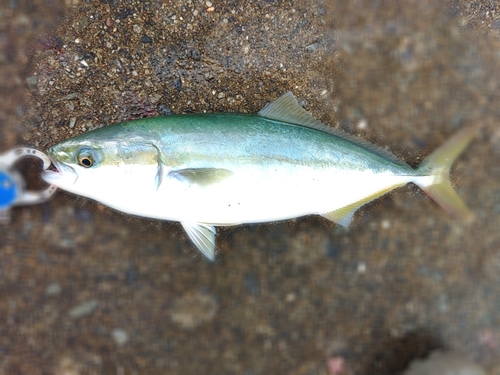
(287, 109)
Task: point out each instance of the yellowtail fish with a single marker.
(207, 170)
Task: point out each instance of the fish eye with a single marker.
(85, 158)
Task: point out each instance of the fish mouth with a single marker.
(59, 173)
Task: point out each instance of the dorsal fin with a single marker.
(287, 109)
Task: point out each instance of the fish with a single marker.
(223, 169)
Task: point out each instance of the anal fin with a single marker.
(344, 215)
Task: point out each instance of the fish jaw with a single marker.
(61, 180)
(63, 177)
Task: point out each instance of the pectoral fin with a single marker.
(159, 170)
(203, 236)
(159, 175)
(201, 176)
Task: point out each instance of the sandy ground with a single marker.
(87, 290)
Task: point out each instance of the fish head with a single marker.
(80, 165)
(108, 164)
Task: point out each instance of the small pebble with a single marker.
(137, 29)
(336, 366)
(53, 289)
(495, 25)
(195, 55)
(178, 84)
(146, 39)
(83, 309)
(444, 363)
(164, 110)
(32, 81)
(120, 336)
(361, 267)
(72, 96)
(193, 310)
(313, 47)
(362, 124)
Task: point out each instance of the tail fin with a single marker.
(437, 167)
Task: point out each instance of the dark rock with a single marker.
(124, 14)
(178, 84)
(495, 24)
(146, 39)
(164, 110)
(195, 54)
(252, 283)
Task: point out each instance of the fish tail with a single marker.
(435, 173)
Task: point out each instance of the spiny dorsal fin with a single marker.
(287, 109)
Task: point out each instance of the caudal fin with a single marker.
(437, 168)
